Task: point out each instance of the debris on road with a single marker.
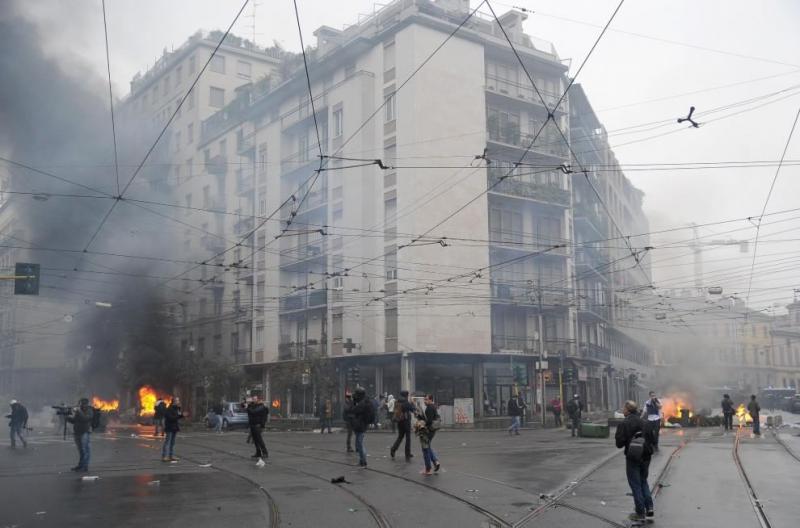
(89, 478)
(154, 483)
(261, 463)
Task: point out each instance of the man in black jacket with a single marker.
(727, 412)
(574, 410)
(515, 412)
(403, 411)
(257, 414)
(637, 459)
(81, 421)
(172, 416)
(18, 421)
(363, 415)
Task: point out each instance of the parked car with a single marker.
(793, 404)
(233, 415)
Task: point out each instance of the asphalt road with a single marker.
(541, 478)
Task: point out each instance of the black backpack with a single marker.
(636, 448)
(96, 419)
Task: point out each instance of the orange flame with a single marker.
(105, 405)
(276, 404)
(672, 407)
(743, 416)
(147, 400)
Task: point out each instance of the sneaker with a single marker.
(173, 459)
(437, 467)
(650, 513)
(426, 472)
(165, 459)
(635, 517)
(391, 453)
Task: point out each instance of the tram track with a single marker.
(758, 508)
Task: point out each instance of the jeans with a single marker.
(637, 480)
(430, 457)
(218, 423)
(728, 419)
(362, 453)
(326, 422)
(158, 423)
(16, 431)
(403, 430)
(557, 418)
(655, 426)
(575, 422)
(756, 425)
(514, 425)
(168, 449)
(83, 443)
(349, 438)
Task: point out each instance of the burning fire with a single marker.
(276, 404)
(743, 416)
(147, 400)
(105, 405)
(672, 407)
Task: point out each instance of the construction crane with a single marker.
(697, 248)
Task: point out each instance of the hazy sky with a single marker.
(679, 46)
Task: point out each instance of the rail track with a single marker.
(761, 514)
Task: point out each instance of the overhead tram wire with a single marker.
(139, 167)
(111, 97)
(766, 201)
(383, 104)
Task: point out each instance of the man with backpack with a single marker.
(347, 416)
(754, 409)
(158, 417)
(727, 412)
(555, 406)
(363, 416)
(428, 423)
(403, 411)
(652, 413)
(18, 421)
(81, 420)
(574, 410)
(515, 413)
(636, 437)
(172, 416)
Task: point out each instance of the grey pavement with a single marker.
(488, 479)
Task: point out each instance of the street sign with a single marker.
(305, 379)
(541, 365)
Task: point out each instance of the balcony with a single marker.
(510, 140)
(217, 165)
(212, 244)
(300, 255)
(513, 186)
(591, 214)
(309, 349)
(245, 144)
(302, 114)
(244, 184)
(300, 159)
(527, 243)
(522, 93)
(593, 259)
(589, 307)
(595, 352)
(528, 296)
(307, 300)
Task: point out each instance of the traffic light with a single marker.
(569, 375)
(26, 281)
(519, 375)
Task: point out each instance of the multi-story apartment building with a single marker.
(421, 274)
(200, 175)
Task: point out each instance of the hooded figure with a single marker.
(18, 421)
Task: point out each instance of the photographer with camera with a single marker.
(18, 421)
(81, 420)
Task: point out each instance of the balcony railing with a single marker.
(300, 159)
(529, 296)
(311, 348)
(514, 344)
(595, 352)
(521, 91)
(548, 143)
(314, 299)
(536, 191)
(244, 184)
(595, 308)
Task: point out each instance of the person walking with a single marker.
(257, 414)
(402, 414)
(158, 417)
(574, 410)
(218, 410)
(727, 412)
(427, 425)
(81, 420)
(390, 401)
(555, 407)
(172, 416)
(516, 415)
(636, 437)
(754, 409)
(652, 413)
(363, 416)
(327, 416)
(18, 422)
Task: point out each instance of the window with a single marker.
(191, 64)
(389, 110)
(216, 97)
(206, 197)
(391, 323)
(218, 345)
(217, 64)
(336, 326)
(235, 342)
(262, 159)
(244, 69)
(262, 203)
(338, 123)
(189, 133)
(261, 290)
(302, 147)
(201, 347)
(259, 336)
